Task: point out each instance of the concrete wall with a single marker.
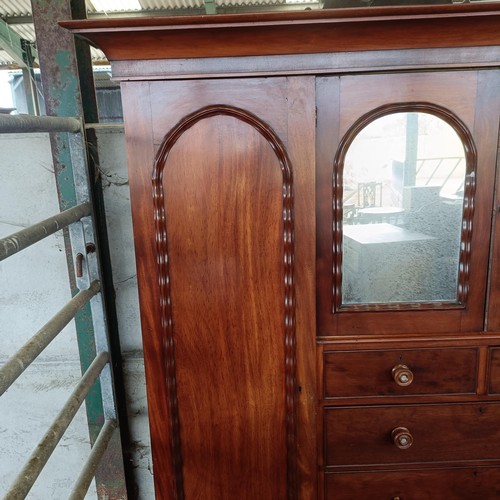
(33, 286)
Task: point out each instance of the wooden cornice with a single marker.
(279, 33)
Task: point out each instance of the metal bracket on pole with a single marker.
(29, 81)
(83, 242)
(210, 7)
(23, 53)
(11, 42)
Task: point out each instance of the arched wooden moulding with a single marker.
(468, 206)
(167, 320)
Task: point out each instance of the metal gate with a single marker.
(83, 244)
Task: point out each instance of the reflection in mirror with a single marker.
(403, 191)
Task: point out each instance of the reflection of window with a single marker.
(403, 183)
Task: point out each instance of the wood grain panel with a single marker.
(140, 157)
(494, 371)
(301, 144)
(287, 104)
(229, 233)
(441, 433)
(327, 140)
(369, 373)
(317, 31)
(310, 64)
(487, 113)
(447, 89)
(264, 97)
(459, 484)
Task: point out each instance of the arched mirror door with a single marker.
(405, 191)
(405, 177)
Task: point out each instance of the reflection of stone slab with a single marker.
(386, 263)
(418, 197)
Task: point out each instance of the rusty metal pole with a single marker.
(24, 124)
(68, 87)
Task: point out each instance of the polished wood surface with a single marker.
(488, 100)
(228, 308)
(228, 405)
(494, 371)
(337, 63)
(370, 373)
(458, 433)
(458, 483)
(337, 30)
(402, 375)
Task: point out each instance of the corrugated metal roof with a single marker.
(6, 61)
(238, 3)
(16, 10)
(25, 31)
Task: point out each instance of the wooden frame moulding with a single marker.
(278, 33)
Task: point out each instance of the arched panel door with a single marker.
(223, 192)
(225, 253)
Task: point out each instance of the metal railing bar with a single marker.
(15, 124)
(29, 473)
(434, 171)
(452, 171)
(105, 126)
(89, 469)
(17, 363)
(27, 237)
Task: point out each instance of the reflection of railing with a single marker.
(440, 168)
(349, 195)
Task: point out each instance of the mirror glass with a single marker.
(403, 196)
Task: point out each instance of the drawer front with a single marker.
(439, 433)
(494, 382)
(375, 373)
(467, 484)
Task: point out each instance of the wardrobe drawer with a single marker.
(467, 484)
(400, 372)
(494, 381)
(412, 434)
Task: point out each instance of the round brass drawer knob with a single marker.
(402, 438)
(402, 375)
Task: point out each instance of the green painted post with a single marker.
(410, 173)
(63, 97)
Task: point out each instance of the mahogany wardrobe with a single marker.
(315, 211)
